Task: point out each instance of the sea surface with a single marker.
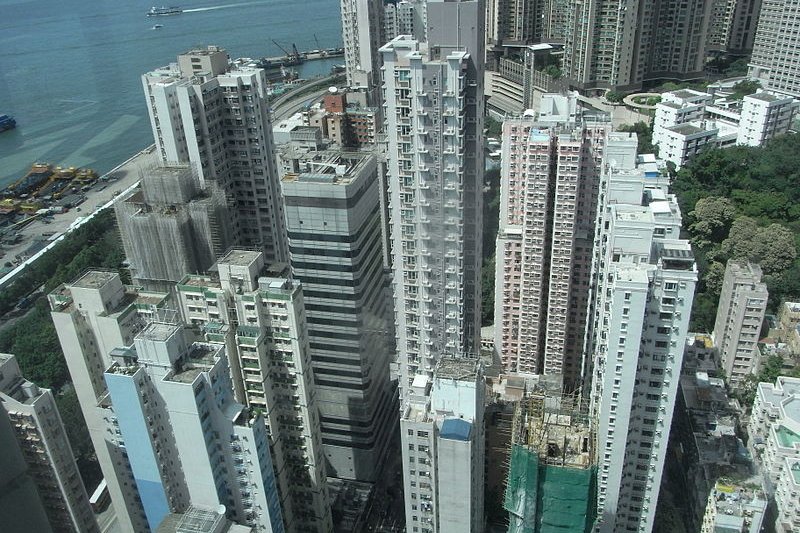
(70, 70)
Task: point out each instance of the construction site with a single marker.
(552, 479)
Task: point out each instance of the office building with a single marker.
(688, 122)
(32, 426)
(434, 128)
(169, 226)
(608, 44)
(94, 315)
(214, 116)
(645, 278)
(188, 442)
(550, 175)
(259, 315)
(333, 216)
(777, 39)
(740, 315)
(442, 438)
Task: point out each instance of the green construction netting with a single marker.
(549, 499)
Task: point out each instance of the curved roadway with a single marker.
(288, 103)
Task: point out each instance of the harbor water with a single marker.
(70, 71)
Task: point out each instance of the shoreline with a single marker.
(127, 178)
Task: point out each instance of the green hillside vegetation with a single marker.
(743, 203)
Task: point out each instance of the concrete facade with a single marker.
(260, 316)
(42, 439)
(187, 441)
(609, 44)
(442, 437)
(434, 127)
(550, 174)
(215, 116)
(740, 314)
(93, 315)
(688, 122)
(640, 312)
(774, 430)
(777, 39)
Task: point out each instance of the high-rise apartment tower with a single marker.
(550, 176)
(32, 416)
(433, 94)
(645, 279)
(214, 116)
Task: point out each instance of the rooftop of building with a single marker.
(94, 279)
(198, 520)
(208, 51)
(688, 93)
(16, 387)
(330, 167)
(786, 437)
(556, 427)
(674, 254)
(457, 368)
(783, 394)
(765, 96)
(200, 358)
(737, 504)
(701, 392)
(158, 331)
(239, 257)
(686, 128)
(199, 280)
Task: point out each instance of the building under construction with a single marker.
(552, 480)
(171, 226)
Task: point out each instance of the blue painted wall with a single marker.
(141, 455)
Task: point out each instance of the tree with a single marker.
(775, 249)
(740, 243)
(644, 133)
(713, 278)
(743, 88)
(712, 217)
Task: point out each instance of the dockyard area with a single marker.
(24, 235)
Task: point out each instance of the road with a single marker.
(289, 103)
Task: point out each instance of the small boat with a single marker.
(157, 26)
(163, 11)
(7, 122)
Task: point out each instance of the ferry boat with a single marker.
(163, 11)
(7, 123)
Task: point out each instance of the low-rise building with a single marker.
(687, 122)
(734, 508)
(774, 430)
